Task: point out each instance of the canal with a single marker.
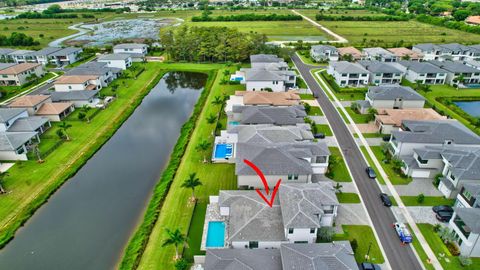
(86, 224)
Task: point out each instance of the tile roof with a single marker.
(465, 162)
(130, 46)
(471, 217)
(421, 67)
(73, 95)
(54, 108)
(392, 92)
(243, 259)
(28, 101)
(402, 52)
(19, 68)
(396, 116)
(350, 50)
(454, 66)
(271, 115)
(113, 56)
(66, 51)
(473, 19)
(265, 58)
(269, 98)
(263, 74)
(45, 51)
(10, 141)
(379, 67)
(75, 79)
(323, 48)
(347, 67)
(7, 113)
(272, 134)
(28, 124)
(6, 65)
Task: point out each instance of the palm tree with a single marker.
(371, 114)
(2, 175)
(459, 79)
(217, 100)
(64, 126)
(192, 182)
(85, 108)
(60, 133)
(203, 147)
(338, 188)
(175, 238)
(211, 119)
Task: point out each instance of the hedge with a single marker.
(247, 17)
(321, 17)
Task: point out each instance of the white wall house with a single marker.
(348, 74)
(14, 145)
(324, 53)
(20, 74)
(456, 70)
(382, 72)
(466, 230)
(423, 72)
(259, 79)
(394, 97)
(118, 60)
(136, 50)
(77, 83)
(65, 56)
(8, 116)
(379, 54)
(443, 52)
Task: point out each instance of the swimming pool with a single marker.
(215, 234)
(223, 151)
(234, 123)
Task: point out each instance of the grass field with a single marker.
(364, 236)
(348, 197)
(325, 129)
(339, 169)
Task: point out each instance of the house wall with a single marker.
(470, 246)
(261, 244)
(9, 123)
(346, 80)
(123, 64)
(80, 103)
(12, 155)
(404, 104)
(143, 50)
(255, 182)
(21, 78)
(301, 235)
(279, 86)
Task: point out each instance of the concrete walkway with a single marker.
(350, 214)
(420, 214)
(330, 141)
(338, 38)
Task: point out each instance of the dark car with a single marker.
(371, 173)
(442, 208)
(369, 266)
(385, 199)
(319, 136)
(444, 216)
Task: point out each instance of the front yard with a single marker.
(364, 236)
(427, 200)
(338, 169)
(357, 117)
(348, 197)
(395, 177)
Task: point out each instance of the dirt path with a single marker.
(338, 38)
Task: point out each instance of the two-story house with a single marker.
(466, 230)
(442, 52)
(393, 97)
(348, 74)
(77, 83)
(65, 56)
(458, 73)
(379, 54)
(403, 53)
(19, 74)
(137, 51)
(382, 72)
(260, 79)
(106, 74)
(116, 60)
(42, 55)
(423, 72)
(324, 53)
(280, 116)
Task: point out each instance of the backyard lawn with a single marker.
(348, 197)
(325, 129)
(364, 236)
(395, 178)
(339, 171)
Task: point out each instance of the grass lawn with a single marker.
(195, 231)
(176, 211)
(301, 84)
(358, 118)
(420, 251)
(325, 129)
(370, 162)
(438, 247)
(306, 96)
(373, 135)
(316, 111)
(10, 91)
(305, 59)
(394, 202)
(348, 197)
(395, 178)
(364, 235)
(339, 171)
(428, 201)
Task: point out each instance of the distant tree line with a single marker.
(38, 15)
(17, 39)
(211, 44)
(439, 21)
(56, 12)
(247, 17)
(14, 3)
(321, 17)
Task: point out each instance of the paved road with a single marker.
(400, 257)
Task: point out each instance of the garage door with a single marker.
(420, 174)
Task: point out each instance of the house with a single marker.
(31, 103)
(466, 230)
(20, 74)
(36, 124)
(267, 60)
(15, 145)
(348, 74)
(5, 56)
(65, 56)
(296, 214)
(77, 83)
(292, 162)
(137, 51)
(338, 255)
(442, 52)
(403, 53)
(473, 20)
(21, 56)
(394, 97)
(9, 116)
(324, 53)
(106, 74)
(458, 73)
(474, 53)
(422, 72)
(391, 119)
(472, 63)
(347, 52)
(382, 72)
(469, 196)
(42, 56)
(259, 79)
(418, 134)
(116, 60)
(280, 116)
(379, 54)
(78, 98)
(56, 111)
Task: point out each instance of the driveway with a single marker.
(421, 214)
(321, 120)
(417, 186)
(365, 128)
(350, 214)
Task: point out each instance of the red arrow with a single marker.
(265, 184)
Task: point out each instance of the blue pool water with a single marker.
(474, 85)
(215, 234)
(223, 150)
(470, 107)
(234, 123)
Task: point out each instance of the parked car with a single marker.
(319, 136)
(385, 199)
(442, 208)
(371, 173)
(369, 266)
(444, 216)
(403, 232)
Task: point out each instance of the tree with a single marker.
(459, 79)
(307, 107)
(192, 182)
(354, 244)
(461, 14)
(85, 109)
(202, 147)
(371, 114)
(2, 176)
(325, 234)
(445, 234)
(81, 116)
(181, 264)
(217, 100)
(64, 126)
(338, 188)
(60, 134)
(175, 238)
(397, 165)
(211, 119)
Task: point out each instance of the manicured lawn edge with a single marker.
(138, 243)
(348, 197)
(364, 235)
(8, 232)
(428, 200)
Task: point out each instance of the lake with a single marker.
(470, 107)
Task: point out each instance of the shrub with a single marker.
(436, 180)
(325, 234)
(307, 107)
(354, 244)
(420, 198)
(181, 264)
(453, 248)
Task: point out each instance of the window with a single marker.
(69, 87)
(422, 161)
(293, 177)
(312, 230)
(253, 244)
(290, 230)
(467, 195)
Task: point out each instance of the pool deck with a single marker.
(213, 214)
(225, 138)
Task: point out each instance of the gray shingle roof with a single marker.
(46, 51)
(302, 204)
(264, 58)
(465, 162)
(455, 67)
(129, 46)
(28, 124)
(20, 52)
(73, 95)
(66, 51)
(243, 259)
(6, 65)
(421, 67)
(9, 113)
(10, 141)
(378, 51)
(436, 132)
(273, 115)
(347, 67)
(325, 256)
(392, 92)
(473, 188)
(272, 134)
(453, 47)
(114, 56)
(5, 51)
(93, 68)
(379, 67)
(264, 74)
(323, 48)
(471, 217)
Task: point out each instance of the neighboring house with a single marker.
(324, 53)
(68, 83)
(379, 54)
(352, 51)
(106, 74)
(338, 255)
(20, 74)
(394, 97)
(116, 60)
(56, 111)
(391, 119)
(78, 98)
(21, 56)
(457, 70)
(422, 72)
(5, 56)
(403, 53)
(42, 56)
(473, 20)
(382, 72)
(442, 52)
(473, 63)
(137, 51)
(15, 145)
(469, 196)
(466, 228)
(267, 60)
(65, 56)
(31, 103)
(280, 116)
(8, 116)
(348, 74)
(258, 79)
(292, 162)
(418, 134)
(36, 124)
(474, 52)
